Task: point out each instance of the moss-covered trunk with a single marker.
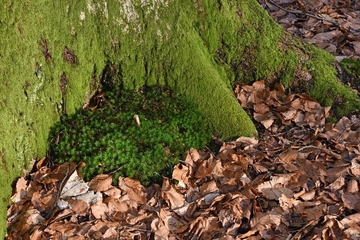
(198, 47)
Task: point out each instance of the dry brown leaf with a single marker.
(180, 173)
(259, 222)
(44, 202)
(173, 222)
(160, 231)
(169, 193)
(289, 114)
(351, 221)
(209, 187)
(133, 189)
(308, 196)
(311, 212)
(351, 201)
(99, 210)
(113, 191)
(20, 193)
(265, 119)
(289, 155)
(204, 228)
(302, 176)
(247, 140)
(34, 217)
(261, 108)
(352, 186)
(100, 183)
(79, 206)
(337, 184)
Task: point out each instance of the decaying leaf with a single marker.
(101, 183)
(331, 25)
(298, 181)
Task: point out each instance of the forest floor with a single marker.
(299, 180)
(331, 25)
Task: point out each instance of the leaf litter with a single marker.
(331, 25)
(299, 180)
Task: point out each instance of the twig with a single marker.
(113, 172)
(118, 231)
(211, 152)
(59, 190)
(303, 13)
(308, 146)
(323, 150)
(136, 228)
(345, 129)
(197, 200)
(306, 229)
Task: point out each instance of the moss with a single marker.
(198, 47)
(147, 51)
(109, 140)
(248, 43)
(325, 86)
(267, 52)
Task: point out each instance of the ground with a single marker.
(298, 181)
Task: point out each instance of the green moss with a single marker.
(325, 86)
(110, 141)
(267, 52)
(101, 34)
(249, 44)
(199, 48)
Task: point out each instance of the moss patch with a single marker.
(317, 76)
(109, 139)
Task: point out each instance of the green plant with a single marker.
(109, 140)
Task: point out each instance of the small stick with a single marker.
(303, 13)
(59, 190)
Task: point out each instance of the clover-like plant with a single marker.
(109, 140)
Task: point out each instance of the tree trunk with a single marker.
(55, 53)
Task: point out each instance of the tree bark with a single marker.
(54, 53)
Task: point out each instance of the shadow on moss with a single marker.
(109, 140)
